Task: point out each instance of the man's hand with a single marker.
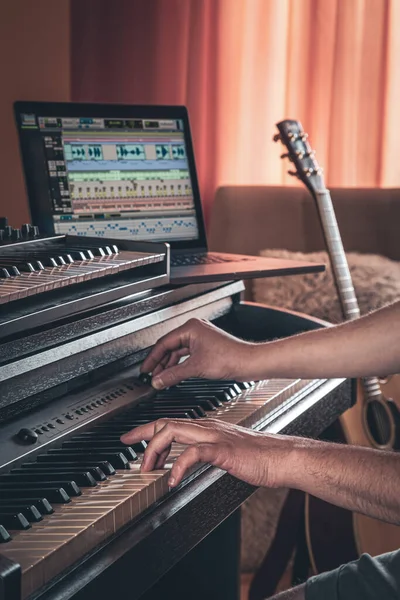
(259, 459)
(353, 477)
(212, 354)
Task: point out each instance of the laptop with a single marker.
(126, 171)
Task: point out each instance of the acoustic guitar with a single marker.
(334, 535)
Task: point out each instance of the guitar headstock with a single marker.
(300, 153)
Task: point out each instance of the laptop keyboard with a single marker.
(184, 260)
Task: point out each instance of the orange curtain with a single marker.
(242, 65)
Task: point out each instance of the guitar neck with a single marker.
(341, 271)
(337, 256)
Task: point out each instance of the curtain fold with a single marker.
(242, 65)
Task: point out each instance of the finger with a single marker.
(174, 375)
(168, 343)
(160, 463)
(174, 431)
(170, 360)
(175, 357)
(147, 431)
(198, 453)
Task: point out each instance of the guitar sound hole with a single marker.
(378, 423)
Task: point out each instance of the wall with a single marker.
(34, 65)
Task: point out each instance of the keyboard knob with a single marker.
(35, 232)
(16, 234)
(26, 230)
(145, 378)
(3, 222)
(7, 232)
(27, 436)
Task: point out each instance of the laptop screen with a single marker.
(119, 175)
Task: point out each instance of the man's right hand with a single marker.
(212, 354)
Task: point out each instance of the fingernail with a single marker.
(171, 481)
(157, 383)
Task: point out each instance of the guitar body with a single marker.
(390, 387)
(335, 535)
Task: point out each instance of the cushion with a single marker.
(376, 282)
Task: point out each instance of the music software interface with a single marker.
(117, 178)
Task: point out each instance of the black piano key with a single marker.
(225, 395)
(26, 265)
(96, 250)
(30, 267)
(78, 253)
(54, 495)
(47, 257)
(109, 445)
(29, 511)
(161, 413)
(243, 385)
(14, 520)
(215, 399)
(151, 414)
(82, 478)
(39, 468)
(61, 463)
(140, 447)
(4, 535)
(116, 459)
(207, 385)
(11, 268)
(205, 403)
(97, 447)
(125, 426)
(70, 487)
(42, 504)
(168, 404)
(231, 390)
(4, 274)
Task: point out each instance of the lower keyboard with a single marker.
(77, 526)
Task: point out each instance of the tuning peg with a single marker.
(277, 137)
(303, 136)
(292, 173)
(285, 155)
(300, 154)
(309, 171)
(292, 136)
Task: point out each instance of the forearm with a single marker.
(356, 478)
(360, 348)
